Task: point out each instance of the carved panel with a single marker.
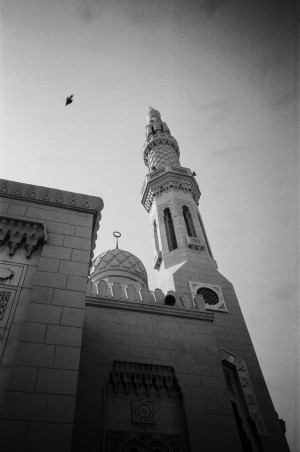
(18, 232)
(11, 274)
(170, 181)
(131, 377)
(4, 297)
(119, 441)
(247, 388)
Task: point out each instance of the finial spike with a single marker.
(117, 235)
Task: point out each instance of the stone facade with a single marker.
(47, 238)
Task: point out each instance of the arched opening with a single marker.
(170, 300)
(170, 232)
(189, 224)
(155, 235)
(246, 427)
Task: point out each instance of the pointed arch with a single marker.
(170, 231)
(155, 235)
(189, 224)
(242, 392)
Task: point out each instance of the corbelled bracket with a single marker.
(17, 232)
(154, 379)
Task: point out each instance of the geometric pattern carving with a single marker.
(170, 180)
(212, 295)
(120, 260)
(120, 441)
(195, 244)
(4, 298)
(18, 232)
(161, 156)
(143, 411)
(247, 388)
(132, 377)
(50, 195)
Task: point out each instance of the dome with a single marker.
(119, 264)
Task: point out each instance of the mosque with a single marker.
(91, 359)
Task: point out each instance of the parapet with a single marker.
(127, 296)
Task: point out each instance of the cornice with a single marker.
(53, 197)
(168, 178)
(50, 196)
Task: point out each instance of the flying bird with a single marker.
(194, 174)
(69, 100)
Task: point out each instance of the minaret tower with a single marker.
(171, 195)
(185, 265)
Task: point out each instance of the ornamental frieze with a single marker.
(169, 181)
(132, 378)
(17, 233)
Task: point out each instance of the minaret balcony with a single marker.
(168, 178)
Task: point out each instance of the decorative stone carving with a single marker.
(131, 377)
(194, 243)
(5, 274)
(170, 180)
(119, 441)
(18, 232)
(117, 261)
(247, 388)
(4, 298)
(143, 411)
(49, 195)
(212, 294)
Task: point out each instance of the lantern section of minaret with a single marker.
(171, 194)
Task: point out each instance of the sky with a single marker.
(223, 75)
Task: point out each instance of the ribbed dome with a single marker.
(114, 263)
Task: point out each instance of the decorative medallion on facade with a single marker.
(247, 388)
(212, 296)
(18, 232)
(143, 411)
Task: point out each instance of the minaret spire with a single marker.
(160, 147)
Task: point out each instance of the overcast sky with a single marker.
(223, 75)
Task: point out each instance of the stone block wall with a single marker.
(148, 333)
(41, 345)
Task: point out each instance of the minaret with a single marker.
(185, 264)
(171, 196)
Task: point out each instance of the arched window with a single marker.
(189, 224)
(155, 235)
(171, 237)
(247, 430)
